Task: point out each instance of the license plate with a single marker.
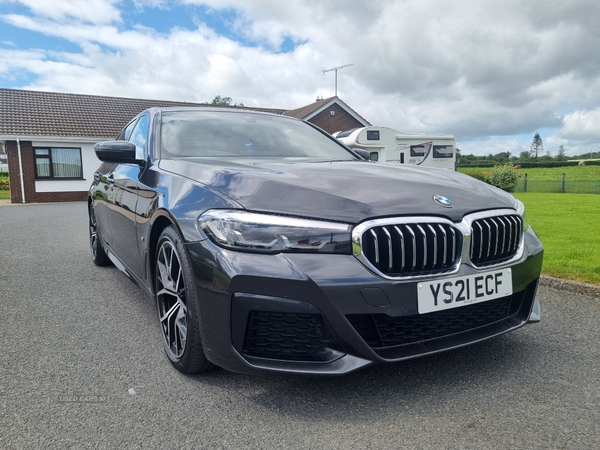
(460, 291)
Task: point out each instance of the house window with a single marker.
(63, 163)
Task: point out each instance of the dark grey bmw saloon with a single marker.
(268, 246)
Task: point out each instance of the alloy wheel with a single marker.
(93, 234)
(171, 300)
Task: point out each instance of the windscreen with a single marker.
(223, 134)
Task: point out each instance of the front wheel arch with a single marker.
(158, 227)
(178, 303)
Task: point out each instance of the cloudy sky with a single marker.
(491, 72)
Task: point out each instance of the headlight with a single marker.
(522, 213)
(241, 230)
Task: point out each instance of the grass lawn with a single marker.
(568, 225)
(576, 173)
(4, 194)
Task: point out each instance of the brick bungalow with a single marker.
(49, 137)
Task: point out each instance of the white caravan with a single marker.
(388, 145)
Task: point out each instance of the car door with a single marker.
(122, 202)
(104, 192)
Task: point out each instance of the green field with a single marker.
(576, 173)
(4, 194)
(567, 224)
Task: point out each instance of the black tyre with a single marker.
(99, 256)
(177, 304)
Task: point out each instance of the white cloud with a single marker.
(579, 133)
(582, 124)
(92, 11)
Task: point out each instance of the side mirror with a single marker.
(116, 152)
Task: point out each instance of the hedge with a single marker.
(533, 165)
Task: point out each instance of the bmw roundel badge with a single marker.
(447, 203)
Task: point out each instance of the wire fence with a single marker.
(525, 185)
(558, 186)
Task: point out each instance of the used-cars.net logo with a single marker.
(78, 398)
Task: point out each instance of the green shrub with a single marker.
(479, 173)
(4, 186)
(505, 177)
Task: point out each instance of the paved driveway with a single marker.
(82, 366)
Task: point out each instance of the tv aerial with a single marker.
(336, 71)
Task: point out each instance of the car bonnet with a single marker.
(345, 191)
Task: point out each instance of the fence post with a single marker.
(525, 186)
(562, 185)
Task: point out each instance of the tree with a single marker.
(537, 145)
(224, 101)
(561, 153)
(546, 157)
(502, 157)
(524, 156)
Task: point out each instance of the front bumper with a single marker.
(329, 315)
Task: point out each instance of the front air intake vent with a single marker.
(381, 331)
(289, 336)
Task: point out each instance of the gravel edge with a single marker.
(568, 285)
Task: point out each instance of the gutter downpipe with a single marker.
(21, 171)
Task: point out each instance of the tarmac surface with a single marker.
(82, 366)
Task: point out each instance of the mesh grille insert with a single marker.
(291, 336)
(380, 330)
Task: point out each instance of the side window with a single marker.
(139, 136)
(421, 149)
(372, 135)
(443, 151)
(126, 132)
(417, 150)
